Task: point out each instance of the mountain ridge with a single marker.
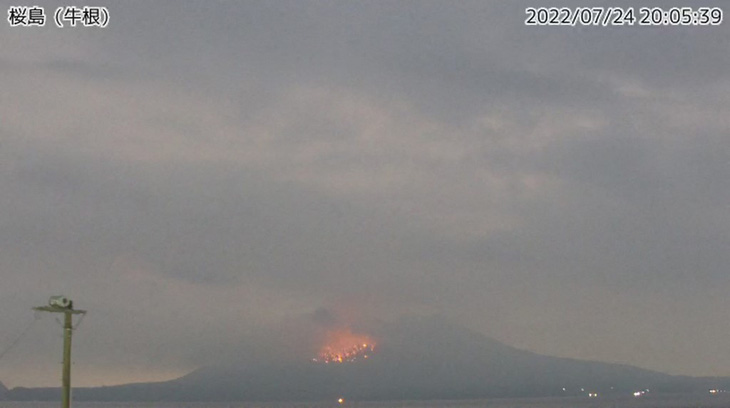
(419, 358)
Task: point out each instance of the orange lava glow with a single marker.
(344, 346)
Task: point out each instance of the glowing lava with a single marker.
(344, 346)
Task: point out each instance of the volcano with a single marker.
(415, 358)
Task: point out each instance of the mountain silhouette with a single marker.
(416, 358)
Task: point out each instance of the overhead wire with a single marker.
(22, 334)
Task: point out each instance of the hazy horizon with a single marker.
(199, 177)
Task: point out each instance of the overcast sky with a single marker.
(197, 172)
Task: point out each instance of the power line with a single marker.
(20, 336)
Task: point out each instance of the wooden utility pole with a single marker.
(61, 304)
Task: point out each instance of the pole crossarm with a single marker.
(53, 309)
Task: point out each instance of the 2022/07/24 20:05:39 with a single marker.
(623, 16)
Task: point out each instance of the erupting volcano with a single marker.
(344, 346)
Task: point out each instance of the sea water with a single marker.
(682, 401)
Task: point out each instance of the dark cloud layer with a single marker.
(196, 174)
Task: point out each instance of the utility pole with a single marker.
(62, 304)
